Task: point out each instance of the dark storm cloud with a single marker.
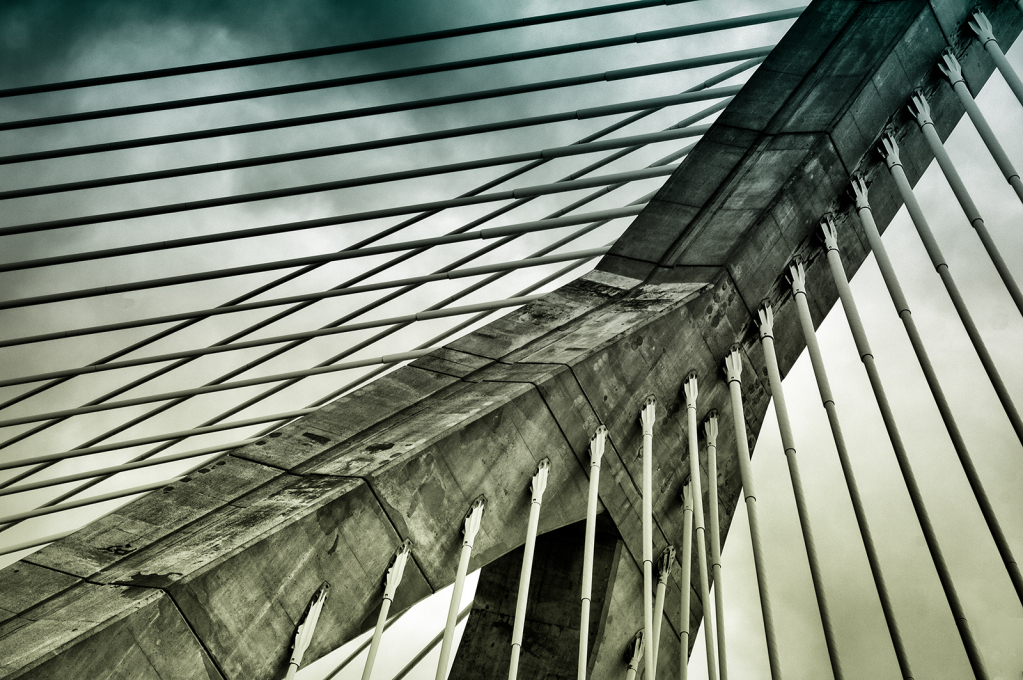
(57, 40)
(41, 39)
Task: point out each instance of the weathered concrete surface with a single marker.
(129, 633)
(223, 565)
(213, 547)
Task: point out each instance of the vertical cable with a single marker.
(890, 151)
(789, 444)
(691, 390)
(710, 430)
(891, 280)
(596, 453)
(733, 374)
(646, 416)
(663, 572)
(538, 485)
(824, 387)
(949, 65)
(687, 579)
(981, 28)
(391, 581)
(915, 496)
(470, 527)
(921, 111)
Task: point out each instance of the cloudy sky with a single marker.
(43, 41)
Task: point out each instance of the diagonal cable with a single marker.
(334, 49)
(263, 126)
(373, 144)
(376, 237)
(708, 83)
(361, 112)
(350, 350)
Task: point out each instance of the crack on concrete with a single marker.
(337, 540)
(157, 581)
(198, 639)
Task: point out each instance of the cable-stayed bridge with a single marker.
(271, 474)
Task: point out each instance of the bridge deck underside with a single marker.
(210, 577)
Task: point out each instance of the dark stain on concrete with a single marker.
(151, 580)
(125, 549)
(319, 439)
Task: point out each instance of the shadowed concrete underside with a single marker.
(551, 631)
(209, 578)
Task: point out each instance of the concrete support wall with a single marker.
(210, 577)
